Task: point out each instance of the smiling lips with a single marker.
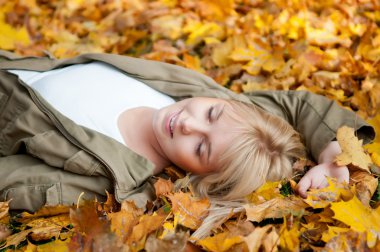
(171, 123)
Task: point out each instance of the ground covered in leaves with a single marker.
(327, 47)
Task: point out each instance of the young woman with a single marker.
(102, 122)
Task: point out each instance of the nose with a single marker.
(191, 125)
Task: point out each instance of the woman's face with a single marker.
(194, 132)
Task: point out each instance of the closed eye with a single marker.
(209, 115)
(198, 149)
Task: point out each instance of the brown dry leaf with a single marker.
(260, 237)
(220, 242)
(111, 205)
(365, 184)
(45, 233)
(4, 209)
(190, 210)
(176, 242)
(275, 208)
(320, 198)
(88, 226)
(359, 217)
(300, 165)
(45, 211)
(174, 173)
(347, 241)
(146, 225)
(123, 221)
(15, 239)
(163, 187)
(352, 150)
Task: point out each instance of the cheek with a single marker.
(182, 155)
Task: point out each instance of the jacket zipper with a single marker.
(64, 132)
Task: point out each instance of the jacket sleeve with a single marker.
(315, 117)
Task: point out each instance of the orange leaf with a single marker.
(163, 187)
(190, 211)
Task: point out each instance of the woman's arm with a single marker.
(315, 117)
(316, 177)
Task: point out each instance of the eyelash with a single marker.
(209, 114)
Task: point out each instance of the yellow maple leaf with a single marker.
(360, 218)
(220, 242)
(289, 238)
(199, 31)
(320, 198)
(333, 231)
(267, 191)
(352, 150)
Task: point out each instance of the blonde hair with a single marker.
(263, 149)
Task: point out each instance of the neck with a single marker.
(136, 127)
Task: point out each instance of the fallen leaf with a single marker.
(365, 185)
(332, 232)
(266, 192)
(352, 150)
(45, 211)
(190, 210)
(289, 237)
(15, 239)
(176, 242)
(146, 225)
(220, 242)
(255, 240)
(4, 209)
(163, 187)
(275, 208)
(320, 198)
(359, 217)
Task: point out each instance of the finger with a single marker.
(303, 186)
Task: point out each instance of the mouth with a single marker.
(171, 123)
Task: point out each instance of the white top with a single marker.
(94, 94)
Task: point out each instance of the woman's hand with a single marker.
(316, 177)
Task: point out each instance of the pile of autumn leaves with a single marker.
(326, 47)
(336, 218)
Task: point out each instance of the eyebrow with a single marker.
(209, 143)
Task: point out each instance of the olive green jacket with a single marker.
(81, 159)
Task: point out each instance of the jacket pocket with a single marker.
(31, 198)
(55, 150)
(82, 163)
